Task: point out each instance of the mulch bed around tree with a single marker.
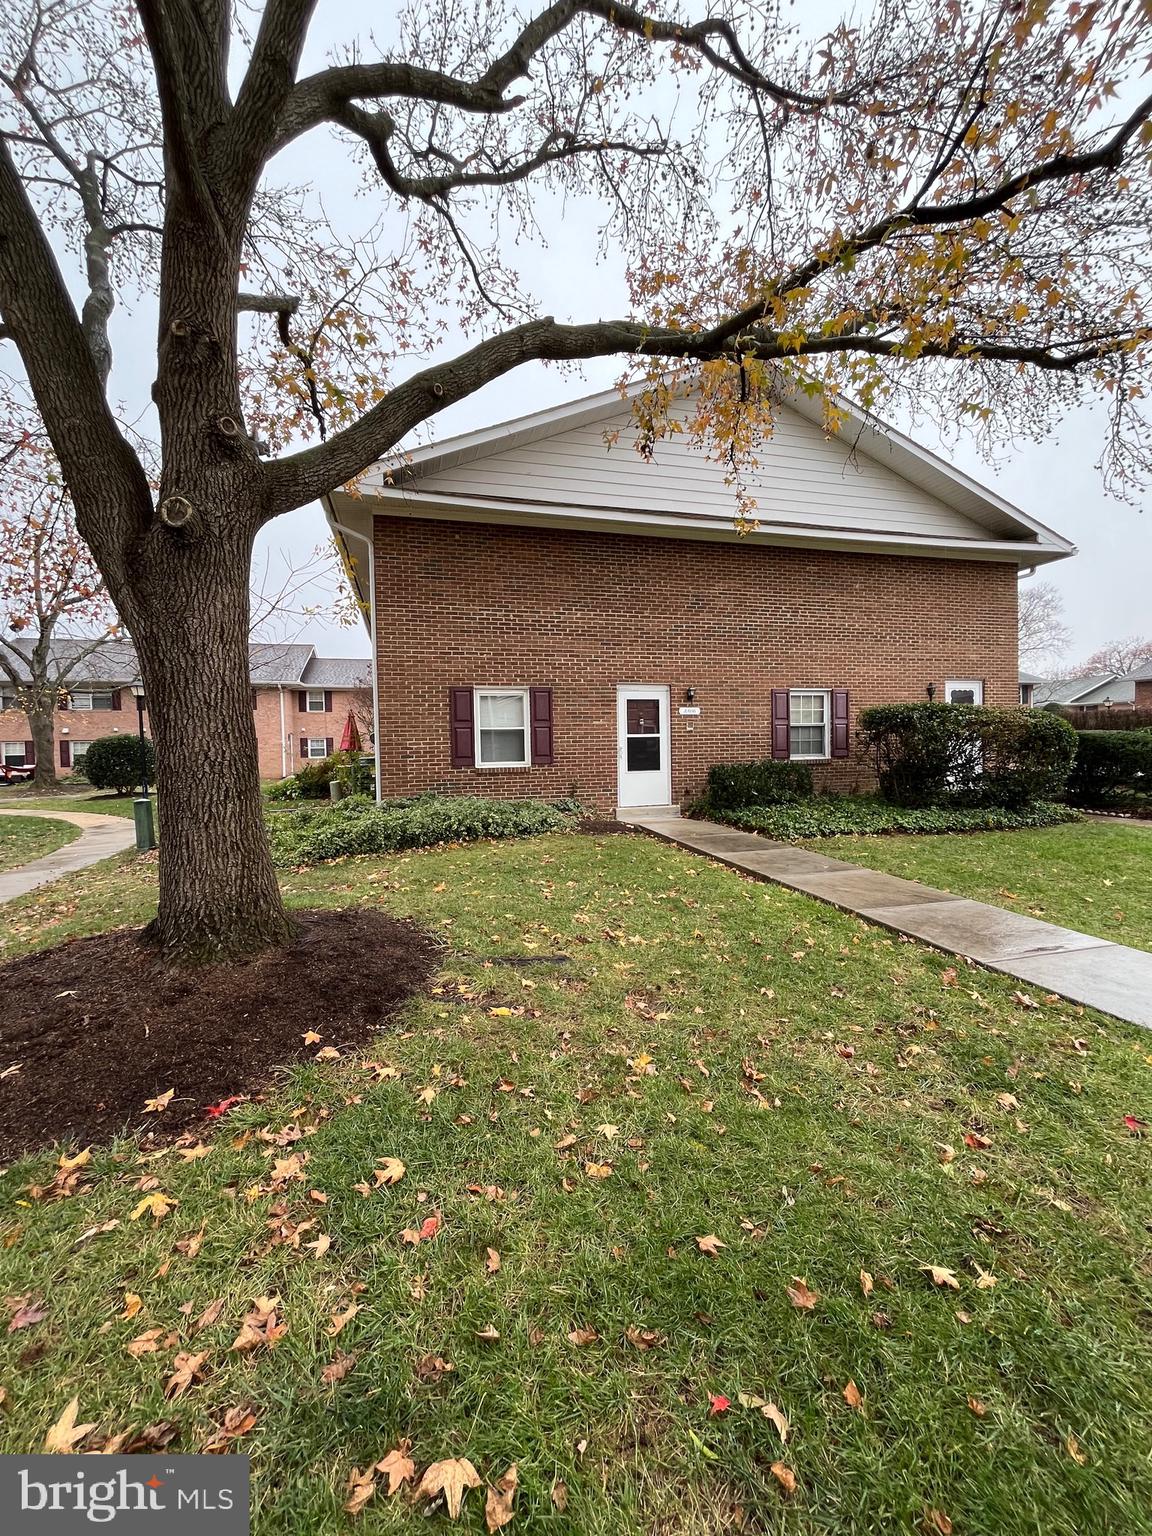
(98, 1026)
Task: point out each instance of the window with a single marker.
(314, 702)
(808, 724)
(78, 750)
(313, 746)
(94, 699)
(9, 698)
(1026, 692)
(12, 752)
(502, 728)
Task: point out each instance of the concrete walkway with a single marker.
(101, 837)
(1088, 970)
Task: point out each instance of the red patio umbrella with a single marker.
(350, 741)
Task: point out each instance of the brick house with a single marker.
(553, 613)
(1142, 678)
(301, 702)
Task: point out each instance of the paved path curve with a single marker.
(101, 837)
(1111, 977)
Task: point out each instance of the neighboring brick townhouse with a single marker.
(301, 703)
(1142, 678)
(554, 613)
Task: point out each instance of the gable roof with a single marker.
(868, 487)
(1083, 690)
(113, 663)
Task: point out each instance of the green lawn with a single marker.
(23, 838)
(716, 1057)
(95, 802)
(1091, 875)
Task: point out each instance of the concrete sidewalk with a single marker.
(1087, 970)
(101, 837)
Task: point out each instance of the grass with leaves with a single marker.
(1092, 875)
(73, 797)
(24, 838)
(629, 1050)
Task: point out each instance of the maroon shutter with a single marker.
(460, 725)
(540, 710)
(327, 701)
(115, 698)
(839, 722)
(781, 744)
(253, 698)
(302, 701)
(65, 754)
(328, 744)
(29, 754)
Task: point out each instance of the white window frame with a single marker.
(77, 750)
(9, 699)
(306, 752)
(18, 753)
(808, 693)
(311, 708)
(90, 694)
(477, 695)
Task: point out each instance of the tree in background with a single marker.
(50, 590)
(946, 203)
(1118, 658)
(1044, 636)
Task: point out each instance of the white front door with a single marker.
(964, 690)
(642, 741)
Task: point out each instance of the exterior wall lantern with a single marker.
(930, 691)
(689, 695)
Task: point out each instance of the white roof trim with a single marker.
(1006, 522)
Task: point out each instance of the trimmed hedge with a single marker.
(358, 825)
(767, 782)
(1111, 766)
(843, 815)
(113, 762)
(967, 754)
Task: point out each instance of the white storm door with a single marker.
(642, 741)
(964, 690)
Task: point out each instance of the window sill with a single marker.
(797, 757)
(502, 767)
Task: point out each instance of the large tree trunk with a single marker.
(42, 724)
(218, 892)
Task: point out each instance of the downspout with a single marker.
(351, 533)
(283, 738)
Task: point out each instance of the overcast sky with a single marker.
(1106, 587)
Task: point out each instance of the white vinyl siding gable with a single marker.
(805, 480)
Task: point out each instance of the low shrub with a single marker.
(118, 762)
(767, 782)
(310, 782)
(358, 825)
(844, 815)
(1111, 767)
(967, 754)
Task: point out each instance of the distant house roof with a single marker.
(1088, 690)
(113, 663)
(1142, 674)
(338, 672)
(1031, 678)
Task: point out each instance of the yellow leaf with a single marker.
(398, 1467)
(157, 1204)
(866, 1282)
(160, 1102)
(390, 1171)
(853, 1397)
(449, 1480)
(66, 1434)
(784, 1476)
(941, 1276)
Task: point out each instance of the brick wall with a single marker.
(461, 605)
(297, 724)
(81, 724)
(1144, 693)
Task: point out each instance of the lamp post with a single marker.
(142, 805)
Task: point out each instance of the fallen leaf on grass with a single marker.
(237, 1421)
(560, 1496)
(984, 1279)
(710, 1244)
(498, 1506)
(66, 1434)
(433, 1368)
(581, 1336)
(28, 1315)
(157, 1205)
(977, 1407)
(854, 1397)
(492, 1261)
(398, 1467)
(1072, 1446)
(210, 1315)
(866, 1282)
(770, 1411)
(937, 1522)
(718, 1404)
(186, 1368)
(159, 1103)
(361, 1487)
(784, 1476)
(488, 1334)
(341, 1319)
(449, 1480)
(800, 1296)
(427, 1230)
(337, 1369)
(643, 1338)
(260, 1326)
(390, 1171)
(145, 1343)
(941, 1276)
(598, 1170)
